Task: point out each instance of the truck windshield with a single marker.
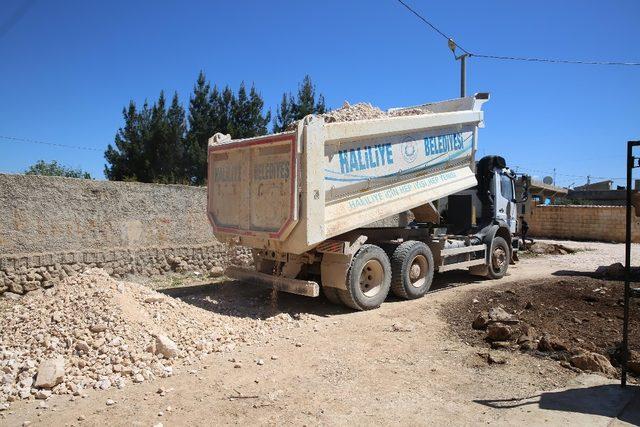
(506, 187)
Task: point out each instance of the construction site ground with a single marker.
(405, 363)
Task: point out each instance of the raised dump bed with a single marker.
(291, 191)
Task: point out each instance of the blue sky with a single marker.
(68, 68)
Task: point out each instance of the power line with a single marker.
(511, 58)
(423, 19)
(557, 61)
(53, 144)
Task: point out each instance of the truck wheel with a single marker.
(498, 258)
(368, 279)
(412, 270)
(331, 294)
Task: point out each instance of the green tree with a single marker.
(202, 125)
(305, 103)
(160, 144)
(53, 168)
(151, 145)
(247, 118)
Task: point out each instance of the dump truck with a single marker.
(304, 201)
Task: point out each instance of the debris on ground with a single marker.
(543, 248)
(94, 331)
(575, 320)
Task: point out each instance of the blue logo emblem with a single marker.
(409, 151)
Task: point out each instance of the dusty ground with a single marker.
(334, 366)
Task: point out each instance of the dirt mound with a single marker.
(577, 321)
(93, 331)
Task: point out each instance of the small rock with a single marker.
(166, 347)
(98, 327)
(498, 314)
(153, 299)
(498, 332)
(43, 405)
(4, 406)
(110, 402)
(260, 362)
(528, 305)
(26, 423)
(138, 378)
(43, 394)
(237, 365)
(81, 418)
(480, 322)
(274, 357)
(82, 346)
(594, 362)
(50, 373)
(549, 343)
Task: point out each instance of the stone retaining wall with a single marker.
(53, 227)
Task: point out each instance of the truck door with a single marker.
(505, 200)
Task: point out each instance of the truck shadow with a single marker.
(608, 400)
(238, 299)
(248, 300)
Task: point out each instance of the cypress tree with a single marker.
(292, 109)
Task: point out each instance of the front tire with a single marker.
(498, 258)
(412, 270)
(368, 279)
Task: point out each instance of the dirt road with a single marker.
(400, 364)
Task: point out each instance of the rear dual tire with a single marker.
(368, 279)
(412, 270)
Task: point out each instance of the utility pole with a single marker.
(463, 67)
(554, 176)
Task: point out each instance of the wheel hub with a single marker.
(499, 257)
(418, 271)
(371, 278)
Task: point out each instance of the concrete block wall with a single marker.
(52, 227)
(581, 222)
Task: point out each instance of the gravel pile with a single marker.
(364, 111)
(93, 331)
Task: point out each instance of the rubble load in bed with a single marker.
(365, 111)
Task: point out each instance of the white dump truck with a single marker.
(303, 200)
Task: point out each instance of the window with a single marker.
(506, 187)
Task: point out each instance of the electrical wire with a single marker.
(557, 61)
(53, 144)
(512, 58)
